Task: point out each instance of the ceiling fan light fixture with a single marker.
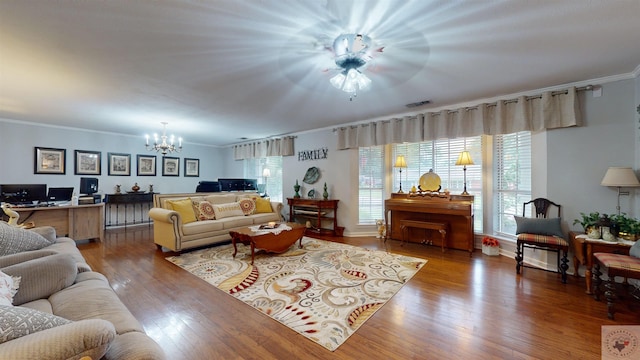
(352, 53)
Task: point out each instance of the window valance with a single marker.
(548, 110)
(263, 148)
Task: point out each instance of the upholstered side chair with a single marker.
(541, 232)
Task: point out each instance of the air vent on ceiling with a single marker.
(419, 103)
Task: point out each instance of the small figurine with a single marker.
(382, 229)
(118, 189)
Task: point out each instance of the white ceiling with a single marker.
(220, 70)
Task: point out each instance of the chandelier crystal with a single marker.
(164, 144)
(352, 54)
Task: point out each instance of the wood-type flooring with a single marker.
(455, 307)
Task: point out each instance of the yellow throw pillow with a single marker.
(263, 205)
(185, 208)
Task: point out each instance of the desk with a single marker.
(82, 222)
(584, 249)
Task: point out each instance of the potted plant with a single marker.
(628, 227)
(490, 246)
(589, 224)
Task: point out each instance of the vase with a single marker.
(135, 187)
(607, 235)
(325, 194)
(296, 187)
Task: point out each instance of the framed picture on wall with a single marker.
(87, 162)
(146, 165)
(191, 167)
(170, 166)
(119, 164)
(49, 161)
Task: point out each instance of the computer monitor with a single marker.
(23, 193)
(60, 194)
(88, 186)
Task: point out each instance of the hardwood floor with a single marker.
(455, 307)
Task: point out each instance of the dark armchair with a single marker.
(541, 232)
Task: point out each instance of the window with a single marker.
(273, 184)
(371, 184)
(512, 174)
(441, 156)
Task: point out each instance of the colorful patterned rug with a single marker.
(324, 291)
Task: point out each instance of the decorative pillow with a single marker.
(635, 249)
(185, 208)
(16, 321)
(538, 226)
(227, 210)
(263, 205)
(8, 288)
(248, 206)
(14, 240)
(204, 210)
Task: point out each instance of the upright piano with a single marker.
(454, 210)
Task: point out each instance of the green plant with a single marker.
(587, 221)
(626, 224)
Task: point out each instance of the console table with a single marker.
(316, 210)
(82, 222)
(128, 209)
(583, 250)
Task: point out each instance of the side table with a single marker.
(584, 248)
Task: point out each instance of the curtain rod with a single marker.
(510, 101)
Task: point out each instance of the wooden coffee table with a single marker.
(269, 242)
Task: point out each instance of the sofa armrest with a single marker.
(277, 208)
(42, 277)
(167, 228)
(70, 341)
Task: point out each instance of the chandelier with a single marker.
(352, 53)
(161, 145)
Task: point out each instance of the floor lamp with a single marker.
(620, 177)
(464, 159)
(400, 163)
(266, 173)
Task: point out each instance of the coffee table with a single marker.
(268, 241)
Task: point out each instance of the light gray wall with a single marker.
(574, 159)
(18, 139)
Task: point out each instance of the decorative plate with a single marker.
(312, 175)
(430, 181)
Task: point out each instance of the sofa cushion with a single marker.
(47, 232)
(248, 205)
(200, 227)
(184, 207)
(236, 221)
(227, 210)
(8, 288)
(204, 210)
(16, 321)
(43, 276)
(14, 240)
(263, 205)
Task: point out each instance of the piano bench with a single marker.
(427, 225)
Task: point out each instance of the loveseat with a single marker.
(63, 310)
(189, 220)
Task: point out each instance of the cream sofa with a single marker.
(63, 310)
(171, 232)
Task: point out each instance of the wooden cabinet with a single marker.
(82, 222)
(321, 214)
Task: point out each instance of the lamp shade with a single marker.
(266, 173)
(464, 158)
(620, 177)
(400, 162)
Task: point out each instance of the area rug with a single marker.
(324, 291)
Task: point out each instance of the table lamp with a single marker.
(464, 159)
(620, 177)
(266, 173)
(400, 163)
